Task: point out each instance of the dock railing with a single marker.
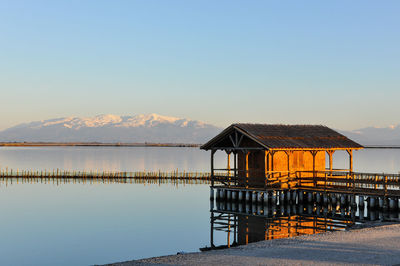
(336, 180)
(356, 182)
(255, 178)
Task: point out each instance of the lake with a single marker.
(162, 158)
(84, 224)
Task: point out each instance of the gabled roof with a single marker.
(287, 137)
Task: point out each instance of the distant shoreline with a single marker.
(94, 144)
(125, 144)
(382, 146)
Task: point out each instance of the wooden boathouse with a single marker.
(278, 156)
(290, 161)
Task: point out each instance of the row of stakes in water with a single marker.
(323, 211)
(296, 196)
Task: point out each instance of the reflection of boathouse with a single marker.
(242, 228)
(278, 156)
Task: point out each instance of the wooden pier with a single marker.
(381, 191)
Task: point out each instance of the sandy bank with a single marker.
(378, 245)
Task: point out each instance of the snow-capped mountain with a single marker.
(113, 128)
(375, 135)
(151, 128)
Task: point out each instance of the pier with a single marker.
(377, 189)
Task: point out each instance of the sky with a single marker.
(335, 63)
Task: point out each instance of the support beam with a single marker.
(236, 142)
(330, 154)
(246, 162)
(314, 153)
(235, 167)
(212, 230)
(288, 155)
(272, 161)
(266, 167)
(351, 176)
(350, 152)
(212, 167)
(271, 165)
(229, 164)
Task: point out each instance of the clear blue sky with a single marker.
(322, 62)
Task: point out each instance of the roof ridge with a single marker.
(281, 124)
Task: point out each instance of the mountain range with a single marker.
(386, 136)
(112, 129)
(152, 128)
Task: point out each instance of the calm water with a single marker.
(164, 158)
(83, 224)
(106, 158)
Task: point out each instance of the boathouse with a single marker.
(278, 156)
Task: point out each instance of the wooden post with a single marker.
(313, 162)
(288, 153)
(235, 158)
(212, 230)
(314, 153)
(234, 228)
(350, 152)
(272, 162)
(385, 180)
(266, 167)
(247, 168)
(330, 154)
(288, 160)
(229, 231)
(229, 167)
(235, 167)
(229, 164)
(212, 167)
(247, 230)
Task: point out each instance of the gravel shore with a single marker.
(374, 244)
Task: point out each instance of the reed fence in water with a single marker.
(57, 176)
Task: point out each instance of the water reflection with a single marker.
(106, 158)
(99, 221)
(162, 158)
(244, 223)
